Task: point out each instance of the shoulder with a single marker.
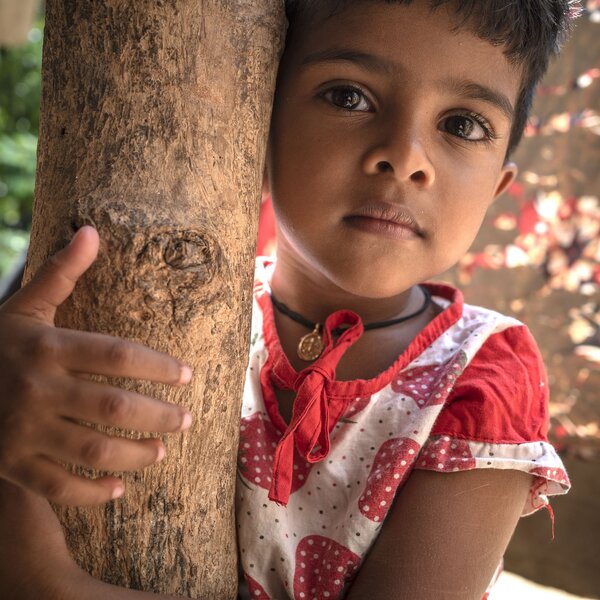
(504, 353)
(497, 388)
(467, 324)
(502, 394)
(263, 266)
(263, 270)
(488, 343)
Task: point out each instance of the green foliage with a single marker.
(20, 70)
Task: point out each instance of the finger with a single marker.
(115, 357)
(55, 280)
(107, 405)
(83, 446)
(50, 480)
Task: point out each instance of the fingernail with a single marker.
(118, 492)
(186, 421)
(185, 375)
(76, 229)
(161, 453)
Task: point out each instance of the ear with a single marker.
(507, 175)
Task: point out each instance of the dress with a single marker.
(469, 392)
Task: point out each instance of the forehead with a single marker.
(408, 42)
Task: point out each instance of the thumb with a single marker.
(57, 277)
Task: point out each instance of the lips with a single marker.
(382, 217)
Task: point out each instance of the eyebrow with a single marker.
(463, 88)
(476, 91)
(368, 61)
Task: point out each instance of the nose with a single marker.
(400, 151)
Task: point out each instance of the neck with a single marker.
(315, 297)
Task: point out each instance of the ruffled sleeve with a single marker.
(497, 418)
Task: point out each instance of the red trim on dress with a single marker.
(283, 371)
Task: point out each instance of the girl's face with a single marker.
(387, 146)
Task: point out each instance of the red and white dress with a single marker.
(470, 392)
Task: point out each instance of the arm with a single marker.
(444, 536)
(34, 560)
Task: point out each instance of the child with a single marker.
(370, 396)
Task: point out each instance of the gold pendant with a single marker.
(311, 345)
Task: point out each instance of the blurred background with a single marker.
(21, 32)
(537, 257)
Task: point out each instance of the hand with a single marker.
(46, 393)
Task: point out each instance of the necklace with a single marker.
(311, 345)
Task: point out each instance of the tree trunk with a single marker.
(154, 124)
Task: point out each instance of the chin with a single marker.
(372, 283)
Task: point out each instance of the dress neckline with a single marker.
(283, 371)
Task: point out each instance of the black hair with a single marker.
(531, 32)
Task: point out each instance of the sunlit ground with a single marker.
(513, 587)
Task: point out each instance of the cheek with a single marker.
(292, 159)
(309, 170)
(470, 187)
(460, 226)
(464, 206)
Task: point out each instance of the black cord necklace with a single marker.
(311, 345)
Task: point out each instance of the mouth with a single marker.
(386, 219)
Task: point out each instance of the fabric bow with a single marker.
(309, 427)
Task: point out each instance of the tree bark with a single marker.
(154, 123)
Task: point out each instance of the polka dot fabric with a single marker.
(415, 415)
(322, 567)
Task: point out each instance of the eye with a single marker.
(348, 98)
(470, 126)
